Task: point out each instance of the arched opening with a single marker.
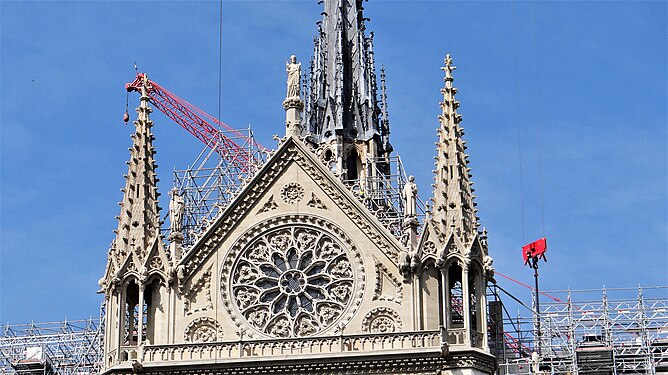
(131, 313)
(154, 311)
(353, 165)
(456, 296)
(477, 308)
(473, 299)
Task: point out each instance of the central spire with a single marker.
(342, 106)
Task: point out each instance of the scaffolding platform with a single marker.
(593, 332)
(70, 347)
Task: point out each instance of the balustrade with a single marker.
(292, 346)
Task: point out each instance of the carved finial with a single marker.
(449, 68)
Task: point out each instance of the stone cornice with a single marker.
(425, 361)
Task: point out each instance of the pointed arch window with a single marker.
(455, 289)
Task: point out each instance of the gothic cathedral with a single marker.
(307, 270)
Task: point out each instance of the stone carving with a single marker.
(132, 267)
(388, 287)
(381, 320)
(315, 202)
(202, 289)
(203, 330)
(293, 280)
(176, 208)
(429, 248)
(487, 266)
(294, 70)
(269, 205)
(156, 263)
(292, 192)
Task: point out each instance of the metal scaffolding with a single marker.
(605, 331)
(212, 181)
(70, 347)
(381, 192)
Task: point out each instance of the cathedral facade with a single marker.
(300, 272)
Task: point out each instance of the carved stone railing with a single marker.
(367, 343)
(460, 336)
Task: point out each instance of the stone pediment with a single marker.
(262, 198)
(122, 266)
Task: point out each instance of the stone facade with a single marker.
(296, 275)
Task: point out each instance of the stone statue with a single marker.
(294, 70)
(176, 208)
(410, 197)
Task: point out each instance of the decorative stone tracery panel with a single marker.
(199, 289)
(293, 276)
(203, 330)
(292, 192)
(381, 320)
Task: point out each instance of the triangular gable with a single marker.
(156, 260)
(290, 151)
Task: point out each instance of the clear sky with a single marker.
(578, 89)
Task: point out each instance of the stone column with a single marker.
(466, 305)
(140, 318)
(482, 302)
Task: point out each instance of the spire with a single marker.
(139, 220)
(453, 201)
(342, 98)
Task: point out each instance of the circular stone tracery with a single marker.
(293, 281)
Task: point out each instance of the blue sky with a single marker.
(583, 82)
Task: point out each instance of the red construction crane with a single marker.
(195, 121)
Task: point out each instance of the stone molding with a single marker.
(379, 294)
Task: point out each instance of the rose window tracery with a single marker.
(293, 281)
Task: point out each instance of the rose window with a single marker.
(292, 281)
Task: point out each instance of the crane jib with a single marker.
(194, 121)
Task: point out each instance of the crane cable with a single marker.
(536, 124)
(517, 117)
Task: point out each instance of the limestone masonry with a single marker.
(305, 270)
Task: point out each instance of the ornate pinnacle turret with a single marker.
(139, 220)
(454, 208)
